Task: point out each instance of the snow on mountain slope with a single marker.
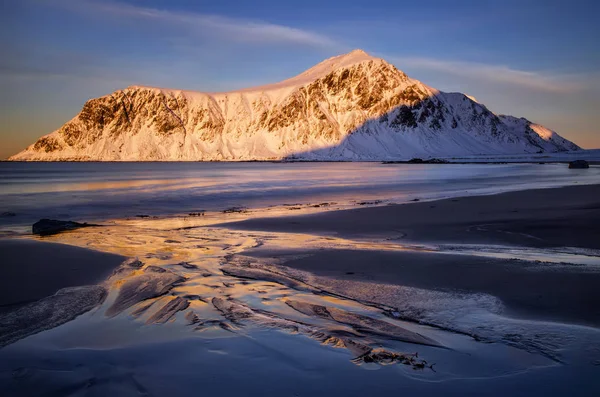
(349, 107)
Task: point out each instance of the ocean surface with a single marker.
(101, 191)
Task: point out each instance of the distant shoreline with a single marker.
(386, 162)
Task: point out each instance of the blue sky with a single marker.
(531, 58)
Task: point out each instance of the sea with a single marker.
(101, 191)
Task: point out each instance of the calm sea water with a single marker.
(98, 191)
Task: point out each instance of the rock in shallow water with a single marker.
(46, 227)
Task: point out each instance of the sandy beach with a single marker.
(567, 216)
(533, 218)
(447, 297)
(529, 290)
(33, 270)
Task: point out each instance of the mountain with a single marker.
(349, 107)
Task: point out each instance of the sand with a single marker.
(568, 216)
(32, 270)
(528, 290)
(540, 218)
(107, 355)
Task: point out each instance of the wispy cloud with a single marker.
(233, 29)
(496, 74)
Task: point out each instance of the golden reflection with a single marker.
(191, 290)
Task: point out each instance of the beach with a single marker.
(532, 218)
(527, 289)
(567, 216)
(412, 293)
(32, 270)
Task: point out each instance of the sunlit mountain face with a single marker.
(349, 107)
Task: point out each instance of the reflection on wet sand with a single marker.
(185, 271)
(197, 271)
(225, 292)
(199, 302)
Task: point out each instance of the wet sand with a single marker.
(211, 312)
(32, 270)
(559, 217)
(527, 289)
(541, 218)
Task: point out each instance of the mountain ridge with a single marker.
(349, 107)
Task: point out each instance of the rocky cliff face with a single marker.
(350, 107)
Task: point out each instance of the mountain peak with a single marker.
(357, 52)
(351, 106)
(344, 60)
(327, 66)
(320, 70)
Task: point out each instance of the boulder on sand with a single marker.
(46, 227)
(579, 164)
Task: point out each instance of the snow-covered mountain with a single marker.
(350, 107)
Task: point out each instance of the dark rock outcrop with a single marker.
(46, 227)
(579, 164)
(417, 160)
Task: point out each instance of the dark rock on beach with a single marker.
(579, 164)
(200, 213)
(47, 227)
(417, 160)
(373, 202)
(235, 210)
